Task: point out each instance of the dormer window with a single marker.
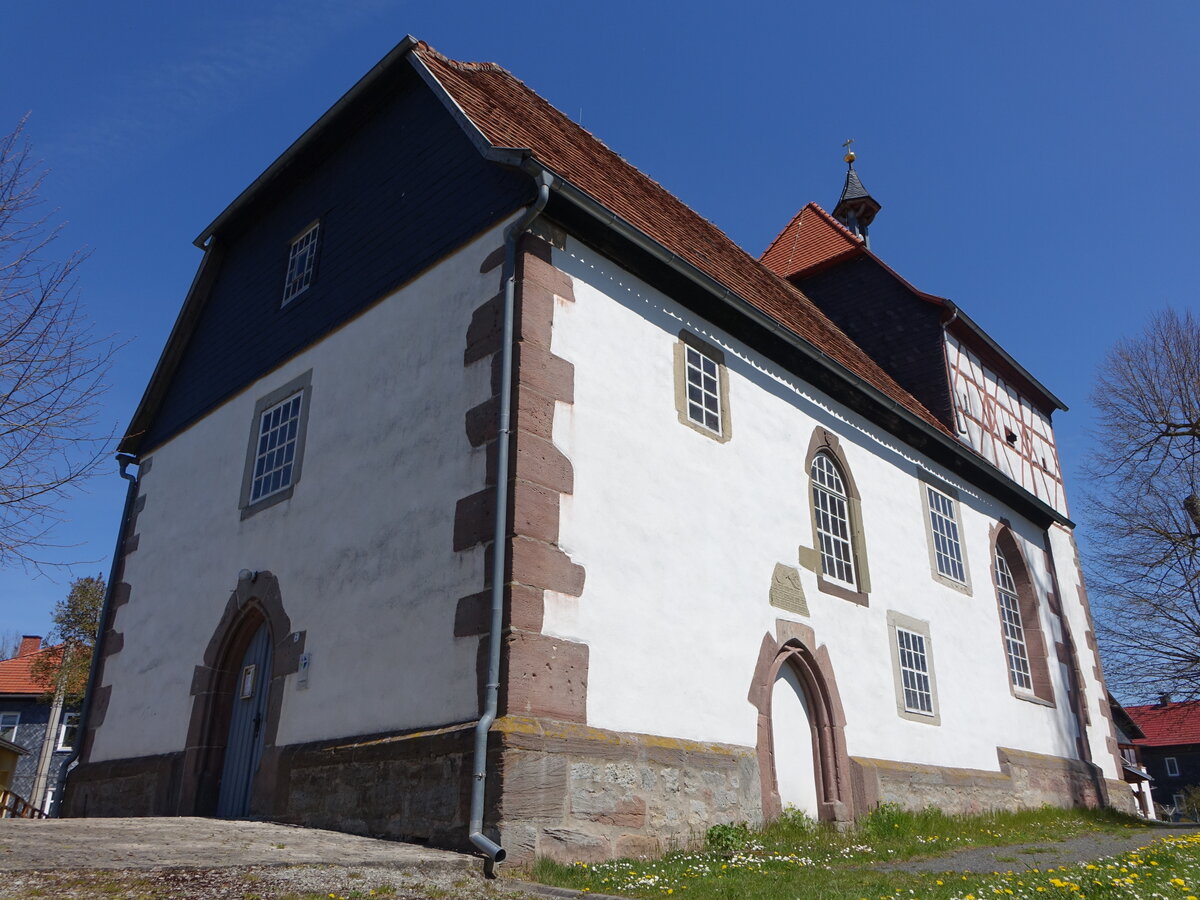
(301, 263)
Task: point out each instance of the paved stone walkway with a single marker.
(1079, 849)
(186, 841)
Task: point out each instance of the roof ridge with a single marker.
(461, 64)
(495, 68)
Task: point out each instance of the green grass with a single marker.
(795, 858)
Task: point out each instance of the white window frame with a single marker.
(903, 632)
(944, 533)
(299, 391)
(831, 513)
(703, 377)
(14, 721)
(302, 263)
(1016, 648)
(1172, 766)
(702, 387)
(69, 720)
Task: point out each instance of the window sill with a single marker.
(963, 588)
(1031, 698)
(268, 502)
(843, 591)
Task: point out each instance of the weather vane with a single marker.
(849, 157)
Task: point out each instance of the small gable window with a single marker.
(8, 725)
(276, 449)
(701, 387)
(832, 513)
(1172, 766)
(302, 261)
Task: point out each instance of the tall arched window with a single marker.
(831, 510)
(1020, 622)
(1014, 629)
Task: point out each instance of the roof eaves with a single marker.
(634, 234)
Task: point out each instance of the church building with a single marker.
(486, 495)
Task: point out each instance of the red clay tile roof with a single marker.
(509, 114)
(1164, 726)
(812, 238)
(15, 677)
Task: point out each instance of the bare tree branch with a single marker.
(52, 367)
(1144, 509)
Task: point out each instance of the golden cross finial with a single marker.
(849, 157)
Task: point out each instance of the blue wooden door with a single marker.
(243, 749)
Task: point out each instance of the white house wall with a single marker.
(363, 549)
(680, 534)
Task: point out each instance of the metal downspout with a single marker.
(512, 234)
(123, 460)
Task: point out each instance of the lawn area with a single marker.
(794, 859)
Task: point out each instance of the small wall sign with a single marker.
(248, 681)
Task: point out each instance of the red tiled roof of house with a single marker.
(811, 239)
(15, 673)
(509, 114)
(1165, 726)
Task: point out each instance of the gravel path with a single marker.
(1083, 848)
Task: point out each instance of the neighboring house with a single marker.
(750, 557)
(35, 723)
(1133, 770)
(1170, 748)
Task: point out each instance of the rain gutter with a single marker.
(124, 461)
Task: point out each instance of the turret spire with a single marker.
(856, 208)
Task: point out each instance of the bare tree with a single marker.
(10, 643)
(52, 366)
(1144, 509)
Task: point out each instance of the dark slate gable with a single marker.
(401, 191)
(900, 331)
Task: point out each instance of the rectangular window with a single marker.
(276, 448)
(68, 729)
(277, 430)
(301, 263)
(8, 725)
(914, 672)
(701, 387)
(1172, 766)
(703, 390)
(1177, 801)
(943, 522)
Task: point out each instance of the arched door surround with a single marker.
(812, 671)
(255, 602)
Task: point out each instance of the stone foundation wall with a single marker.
(142, 786)
(412, 787)
(575, 793)
(1025, 780)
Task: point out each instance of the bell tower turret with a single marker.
(856, 208)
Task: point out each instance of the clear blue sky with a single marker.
(1036, 162)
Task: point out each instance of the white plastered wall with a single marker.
(679, 535)
(363, 550)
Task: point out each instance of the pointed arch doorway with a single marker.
(247, 718)
(794, 744)
(230, 767)
(802, 756)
